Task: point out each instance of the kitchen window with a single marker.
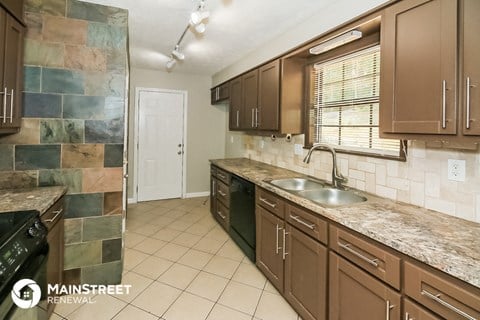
(344, 105)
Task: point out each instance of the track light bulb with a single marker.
(177, 54)
(200, 28)
(171, 63)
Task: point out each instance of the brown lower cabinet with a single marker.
(354, 294)
(54, 221)
(413, 311)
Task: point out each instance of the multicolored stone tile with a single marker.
(71, 178)
(104, 131)
(64, 30)
(42, 105)
(30, 133)
(102, 180)
(34, 22)
(32, 157)
(87, 11)
(112, 203)
(18, 179)
(84, 58)
(105, 227)
(73, 230)
(83, 205)
(105, 84)
(83, 107)
(111, 250)
(101, 35)
(51, 7)
(61, 131)
(6, 157)
(113, 155)
(107, 273)
(82, 155)
(116, 59)
(62, 81)
(114, 108)
(31, 79)
(39, 53)
(82, 254)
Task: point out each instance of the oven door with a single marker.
(35, 269)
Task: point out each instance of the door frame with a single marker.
(136, 137)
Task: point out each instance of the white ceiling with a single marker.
(235, 28)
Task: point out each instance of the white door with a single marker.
(160, 144)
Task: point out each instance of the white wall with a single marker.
(205, 123)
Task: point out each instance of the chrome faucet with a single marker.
(337, 178)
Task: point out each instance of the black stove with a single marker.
(23, 238)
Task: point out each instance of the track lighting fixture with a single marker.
(197, 23)
(336, 42)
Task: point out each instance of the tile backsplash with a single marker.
(422, 180)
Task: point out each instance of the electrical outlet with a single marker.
(231, 139)
(298, 149)
(456, 170)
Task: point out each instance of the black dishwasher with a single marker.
(242, 215)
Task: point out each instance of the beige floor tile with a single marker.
(178, 276)
(133, 258)
(209, 245)
(208, 286)
(65, 309)
(270, 288)
(137, 282)
(159, 211)
(171, 251)
(195, 259)
(217, 233)
(147, 229)
(240, 297)
(189, 307)
(231, 250)
(221, 266)
(274, 307)
(249, 274)
(132, 239)
(180, 225)
(186, 239)
(191, 217)
(130, 312)
(170, 203)
(105, 307)
(162, 221)
(55, 317)
(150, 245)
(152, 267)
(157, 298)
(166, 234)
(220, 312)
(199, 229)
(175, 213)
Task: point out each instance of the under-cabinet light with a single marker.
(336, 42)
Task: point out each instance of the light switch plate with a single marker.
(456, 170)
(298, 149)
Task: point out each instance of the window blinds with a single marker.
(344, 110)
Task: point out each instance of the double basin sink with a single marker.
(318, 192)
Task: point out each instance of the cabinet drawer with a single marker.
(441, 295)
(413, 311)
(222, 214)
(213, 171)
(223, 193)
(54, 214)
(367, 255)
(270, 202)
(312, 225)
(223, 176)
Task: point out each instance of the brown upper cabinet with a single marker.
(426, 46)
(268, 96)
(11, 72)
(219, 93)
(250, 99)
(235, 114)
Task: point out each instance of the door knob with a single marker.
(179, 145)
(179, 152)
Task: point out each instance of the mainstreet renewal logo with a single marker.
(26, 293)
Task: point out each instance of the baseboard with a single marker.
(197, 194)
(131, 201)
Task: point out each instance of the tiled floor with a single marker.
(183, 266)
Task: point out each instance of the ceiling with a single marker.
(234, 28)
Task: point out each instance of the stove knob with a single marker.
(38, 225)
(33, 232)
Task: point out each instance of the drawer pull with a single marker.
(436, 298)
(57, 213)
(221, 176)
(346, 246)
(387, 310)
(308, 225)
(268, 203)
(407, 316)
(220, 192)
(221, 215)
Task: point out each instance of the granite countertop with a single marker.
(41, 198)
(444, 242)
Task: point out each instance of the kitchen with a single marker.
(83, 64)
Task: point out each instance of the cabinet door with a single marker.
(213, 95)
(269, 236)
(250, 92)
(471, 67)
(55, 256)
(213, 194)
(13, 72)
(418, 67)
(268, 96)
(356, 295)
(306, 275)
(236, 115)
(413, 311)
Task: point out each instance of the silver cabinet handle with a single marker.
(253, 118)
(407, 316)
(213, 187)
(308, 225)
(277, 248)
(469, 86)
(256, 117)
(221, 176)
(221, 215)
(11, 106)
(284, 250)
(444, 104)
(268, 203)
(220, 192)
(57, 213)
(387, 310)
(346, 246)
(5, 105)
(217, 93)
(436, 298)
(238, 117)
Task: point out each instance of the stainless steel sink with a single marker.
(297, 184)
(332, 196)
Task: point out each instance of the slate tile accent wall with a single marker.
(72, 130)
